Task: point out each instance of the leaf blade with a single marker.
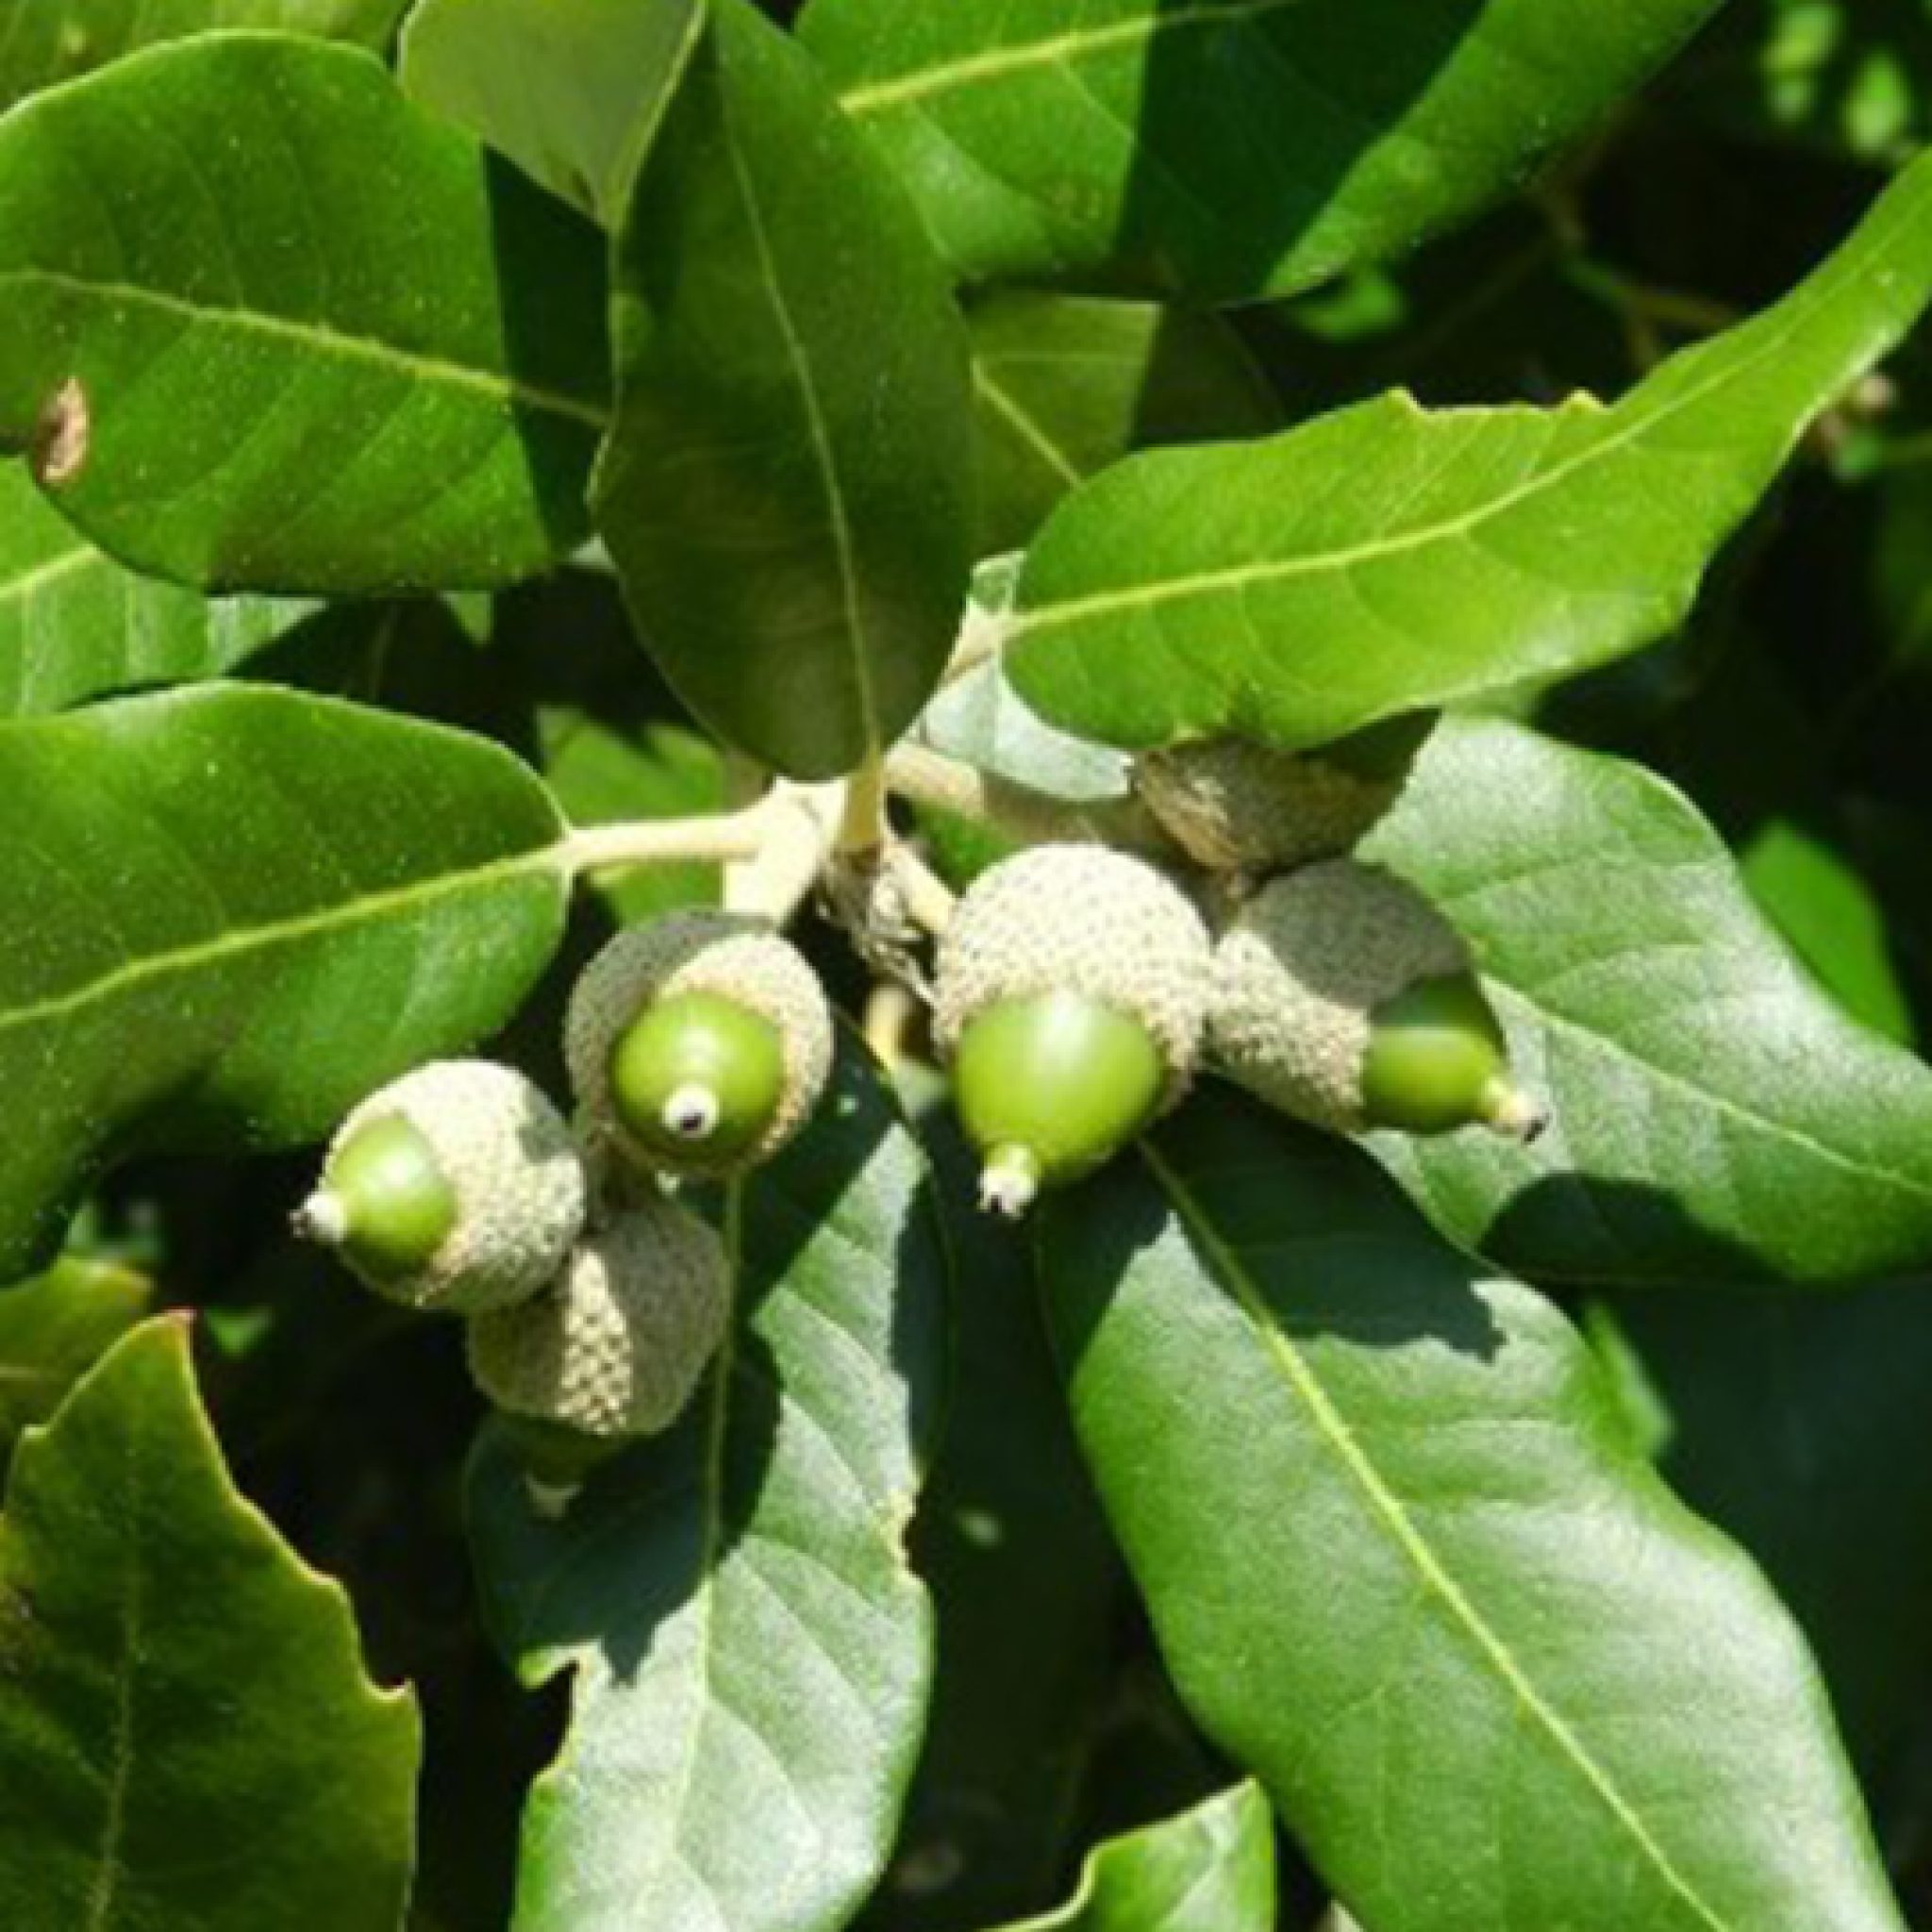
(211, 370)
(173, 1662)
(1388, 558)
(786, 490)
(1209, 1870)
(1716, 1119)
(558, 90)
(251, 908)
(1224, 149)
(1478, 1572)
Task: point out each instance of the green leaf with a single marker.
(1011, 1542)
(269, 327)
(247, 908)
(1387, 558)
(1799, 1427)
(1407, 1567)
(1832, 921)
(750, 1654)
(1066, 387)
(570, 90)
(1226, 148)
(788, 490)
(74, 624)
(53, 1329)
(1717, 1118)
(46, 41)
(1209, 1870)
(187, 1742)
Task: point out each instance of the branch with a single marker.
(930, 778)
(720, 838)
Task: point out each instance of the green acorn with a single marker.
(456, 1187)
(619, 1342)
(1071, 998)
(1234, 805)
(1343, 997)
(699, 1043)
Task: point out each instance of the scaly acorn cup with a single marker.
(1071, 998)
(699, 1043)
(1343, 997)
(617, 1345)
(456, 1187)
(1237, 805)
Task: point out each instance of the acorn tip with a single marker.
(690, 1111)
(324, 1218)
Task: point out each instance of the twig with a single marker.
(927, 777)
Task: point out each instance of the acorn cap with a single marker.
(1300, 973)
(1235, 804)
(619, 1343)
(724, 955)
(455, 1188)
(1081, 919)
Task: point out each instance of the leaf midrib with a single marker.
(818, 431)
(49, 570)
(1014, 414)
(1056, 50)
(508, 391)
(1413, 1545)
(1243, 578)
(239, 942)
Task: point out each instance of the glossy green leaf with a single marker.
(1800, 1428)
(74, 624)
(1024, 1576)
(570, 90)
(267, 325)
(1715, 1118)
(750, 1654)
(53, 1329)
(788, 490)
(247, 909)
(1228, 148)
(1066, 386)
(46, 41)
(1387, 558)
(1831, 920)
(187, 1742)
(1209, 1870)
(1407, 1567)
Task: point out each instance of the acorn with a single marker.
(1071, 999)
(456, 1187)
(617, 1345)
(1342, 997)
(699, 1043)
(1235, 804)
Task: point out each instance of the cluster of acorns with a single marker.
(697, 1045)
(1078, 990)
